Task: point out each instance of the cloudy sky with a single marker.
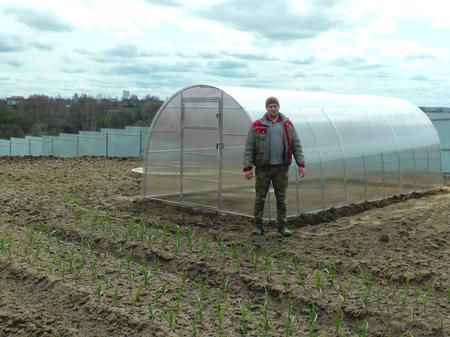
(395, 48)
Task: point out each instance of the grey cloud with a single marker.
(167, 3)
(420, 57)
(14, 43)
(356, 63)
(14, 63)
(145, 69)
(42, 46)
(42, 21)
(75, 70)
(232, 73)
(347, 61)
(11, 46)
(306, 61)
(275, 20)
(225, 65)
(249, 56)
(420, 78)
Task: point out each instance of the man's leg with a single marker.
(280, 184)
(261, 187)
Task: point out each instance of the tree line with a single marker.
(39, 115)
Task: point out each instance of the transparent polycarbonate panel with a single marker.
(333, 161)
(200, 140)
(311, 194)
(163, 182)
(200, 192)
(5, 147)
(233, 153)
(168, 119)
(164, 140)
(390, 154)
(202, 91)
(235, 119)
(352, 151)
(35, 146)
(201, 114)
(20, 147)
(400, 122)
(238, 195)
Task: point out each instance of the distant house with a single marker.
(13, 101)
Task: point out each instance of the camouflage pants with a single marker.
(278, 176)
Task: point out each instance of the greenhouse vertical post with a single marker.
(182, 113)
(220, 148)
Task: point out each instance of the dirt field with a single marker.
(82, 255)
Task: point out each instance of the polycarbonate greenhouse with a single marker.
(357, 148)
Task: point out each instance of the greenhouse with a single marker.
(357, 148)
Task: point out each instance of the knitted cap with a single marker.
(272, 100)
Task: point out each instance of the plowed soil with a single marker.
(81, 254)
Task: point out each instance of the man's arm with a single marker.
(297, 152)
(249, 153)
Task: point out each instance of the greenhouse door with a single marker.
(201, 151)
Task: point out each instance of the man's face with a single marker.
(273, 110)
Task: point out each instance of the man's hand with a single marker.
(248, 174)
(301, 171)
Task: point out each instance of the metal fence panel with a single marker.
(20, 147)
(5, 147)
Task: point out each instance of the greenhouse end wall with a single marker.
(357, 148)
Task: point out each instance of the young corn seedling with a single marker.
(363, 329)
(157, 265)
(246, 317)
(116, 294)
(266, 321)
(253, 258)
(177, 239)
(130, 256)
(200, 307)
(164, 235)
(137, 296)
(151, 311)
(206, 249)
(331, 271)
(62, 268)
(190, 237)
(301, 276)
(268, 259)
(220, 310)
(100, 291)
(338, 321)
(171, 318)
(147, 276)
(236, 255)
(288, 326)
(221, 252)
(224, 286)
(285, 275)
(319, 283)
(194, 329)
(312, 321)
(142, 230)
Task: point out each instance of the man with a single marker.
(270, 145)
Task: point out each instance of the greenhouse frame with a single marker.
(356, 148)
